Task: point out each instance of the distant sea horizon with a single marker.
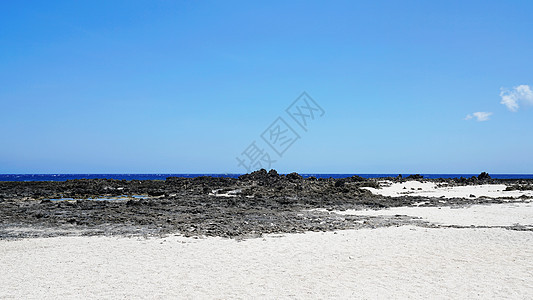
(162, 176)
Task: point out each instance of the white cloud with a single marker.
(514, 97)
(480, 116)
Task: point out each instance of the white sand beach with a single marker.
(431, 189)
(507, 214)
(396, 262)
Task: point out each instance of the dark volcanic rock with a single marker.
(256, 175)
(256, 203)
(273, 174)
(415, 177)
(340, 183)
(356, 178)
(294, 176)
(484, 176)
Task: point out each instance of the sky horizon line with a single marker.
(216, 173)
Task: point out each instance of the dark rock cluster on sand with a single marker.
(251, 205)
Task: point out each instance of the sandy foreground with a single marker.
(394, 262)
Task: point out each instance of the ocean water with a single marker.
(64, 177)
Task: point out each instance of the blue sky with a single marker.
(186, 87)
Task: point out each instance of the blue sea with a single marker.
(64, 177)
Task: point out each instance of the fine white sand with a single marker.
(398, 262)
(430, 189)
(507, 214)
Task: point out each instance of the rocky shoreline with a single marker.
(249, 206)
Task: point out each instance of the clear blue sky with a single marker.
(185, 87)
